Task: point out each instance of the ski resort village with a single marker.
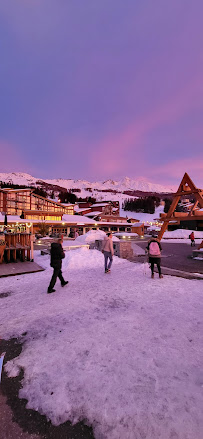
(101, 219)
(108, 345)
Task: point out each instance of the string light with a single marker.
(29, 225)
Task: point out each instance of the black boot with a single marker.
(50, 291)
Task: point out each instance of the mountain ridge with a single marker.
(126, 184)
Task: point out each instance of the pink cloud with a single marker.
(177, 168)
(115, 146)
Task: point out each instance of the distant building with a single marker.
(27, 210)
(108, 218)
(106, 208)
(32, 206)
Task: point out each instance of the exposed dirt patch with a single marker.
(8, 293)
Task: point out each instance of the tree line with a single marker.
(142, 204)
(64, 197)
(69, 197)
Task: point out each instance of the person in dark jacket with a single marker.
(154, 250)
(192, 238)
(57, 254)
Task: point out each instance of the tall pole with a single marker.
(32, 243)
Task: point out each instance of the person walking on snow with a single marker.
(57, 254)
(154, 250)
(192, 238)
(107, 250)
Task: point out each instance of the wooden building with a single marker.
(27, 204)
(108, 218)
(105, 208)
(26, 211)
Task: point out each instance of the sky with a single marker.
(101, 89)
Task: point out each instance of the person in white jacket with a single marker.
(107, 250)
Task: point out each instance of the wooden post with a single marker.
(32, 237)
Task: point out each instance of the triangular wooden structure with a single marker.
(187, 187)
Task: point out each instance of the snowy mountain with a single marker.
(126, 184)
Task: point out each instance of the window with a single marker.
(114, 229)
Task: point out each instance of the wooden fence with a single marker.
(15, 245)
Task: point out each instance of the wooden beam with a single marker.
(190, 192)
(184, 218)
(163, 229)
(186, 187)
(194, 206)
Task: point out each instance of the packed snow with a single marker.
(120, 351)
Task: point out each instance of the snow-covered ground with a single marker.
(142, 216)
(120, 351)
(182, 234)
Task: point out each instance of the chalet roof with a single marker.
(77, 219)
(92, 213)
(68, 219)
(72, 219)
(136, 224)
(84, 209)
(100, 204)
(8, 189)
(65, 204)
(103, 216)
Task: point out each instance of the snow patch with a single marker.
(118, 350)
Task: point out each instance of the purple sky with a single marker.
(98, 89)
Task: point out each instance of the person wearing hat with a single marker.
(154, 251)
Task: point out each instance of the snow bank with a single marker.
(76, 259)
(132, 235)
(182, 233)
(119, 350)
(91, 236)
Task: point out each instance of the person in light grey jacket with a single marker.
(107, 250)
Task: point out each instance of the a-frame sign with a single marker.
(187, 187)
